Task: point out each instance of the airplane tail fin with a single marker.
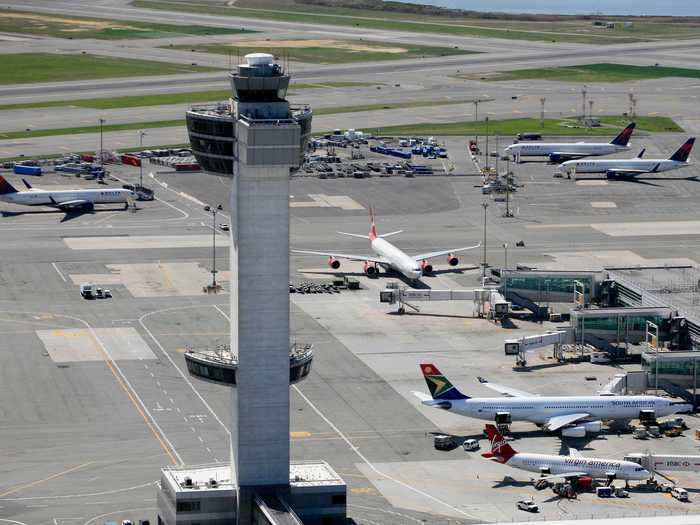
(439, 386)
(6, 187)
(681, 155)
(624, 137)
(641, 153)
(372, 227)
(500, 449)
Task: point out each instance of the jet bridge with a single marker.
(519, 347)
(487, 302)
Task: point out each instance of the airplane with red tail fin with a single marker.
(550, 466)
(388, 256)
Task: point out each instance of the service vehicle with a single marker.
(604, 492)
(87, 290)
(528, 505)
(443, 442)
(679, 493)
(224, 227)
(470, 444)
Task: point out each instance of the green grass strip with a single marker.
(590, 73)
(24, 68)
(90, 129)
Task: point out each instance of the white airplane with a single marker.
(550, 466)
(560, 151)
(65, 200)
(389, 256)
(631, 167)
(551, 412)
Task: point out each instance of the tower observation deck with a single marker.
(258, 91)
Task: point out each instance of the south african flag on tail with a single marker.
(439, 386)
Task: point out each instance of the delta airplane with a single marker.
(551, 413)
(65, 200)
(574, 465)
(631, 167)
(561, 151)
(389, 256)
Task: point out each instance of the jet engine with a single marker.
(333, 263)
(88, 206)
(452, 260)
(426, 267)
(370, 270)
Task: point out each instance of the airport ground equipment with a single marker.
(519, 347)
(665, 462)
(487, 302)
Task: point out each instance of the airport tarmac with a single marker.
(100, 398)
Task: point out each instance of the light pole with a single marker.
(102, 121)
(590, 113)
(141, 134)
(476, 119)
(505, 248)
(542, 101)
(584, 92)
(213, 212)
(487, 142)
(485, 205)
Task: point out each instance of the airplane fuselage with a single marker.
(397, 259)
(596, 468)
(544, 149)
(43, 197)
(605, 165)
(540, 409)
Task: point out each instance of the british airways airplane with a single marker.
(561, 151)
(389, 256)
(550, 412)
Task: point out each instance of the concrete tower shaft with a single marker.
(266, 145)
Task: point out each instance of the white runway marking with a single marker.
(59, 272)
(603, 204)
(138, 242)
(652, 228)
(320, 200)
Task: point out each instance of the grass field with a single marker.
(550, 29)
(327, 51)
(26, 68)
(45, 24)
(387, 105)
(589, 73)
(495, 127)
(135, 101)
(514, 126)
(90, 129)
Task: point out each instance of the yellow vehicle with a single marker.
(674, 431)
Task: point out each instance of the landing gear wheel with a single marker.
(402, 310)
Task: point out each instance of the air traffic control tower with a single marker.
(261, 140)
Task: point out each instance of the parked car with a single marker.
(528, 505)
(224, 227)
(679, 493)
(470, 444)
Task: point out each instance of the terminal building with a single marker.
(613, 310)
(257, 139)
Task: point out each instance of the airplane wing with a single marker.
(630, 172)
(430, 255)
(556, 422)
(565, 475)
(350, 257)
(574, 453)
(564, 155)
(505, 390)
